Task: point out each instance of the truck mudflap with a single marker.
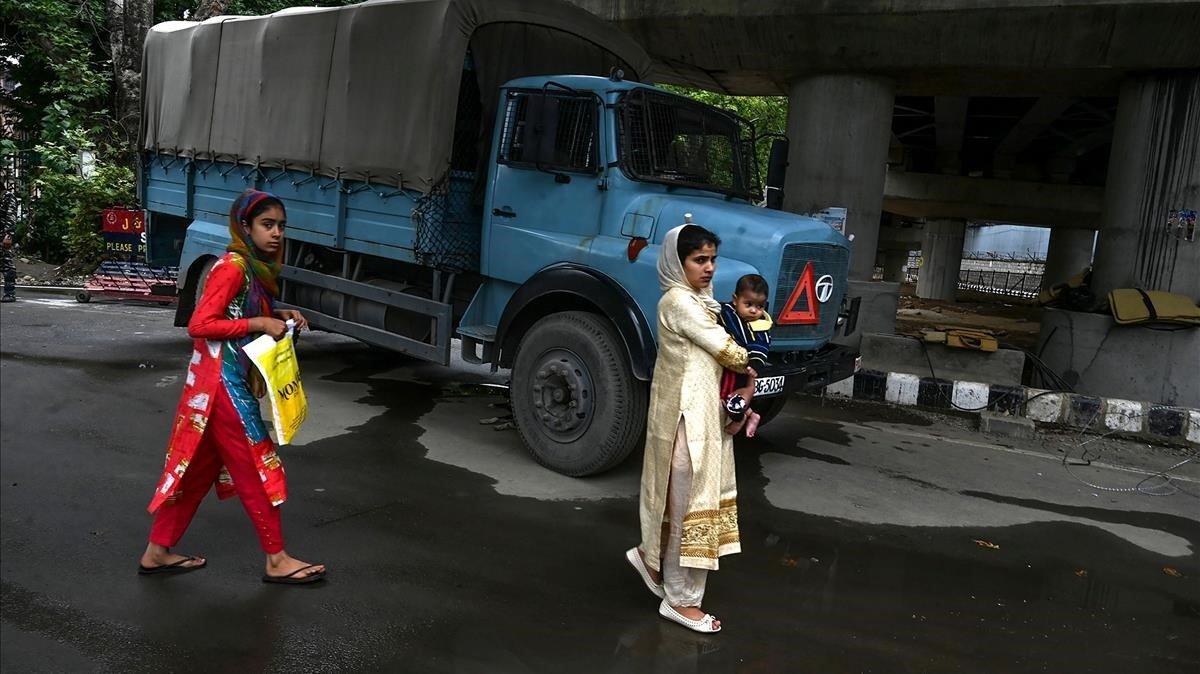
(805, 372)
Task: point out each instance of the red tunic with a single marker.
(217, 327)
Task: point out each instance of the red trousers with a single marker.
(224, 442)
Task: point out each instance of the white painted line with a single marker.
(50, 302)
(844, 388)
(1044, 408)
(970, 395)
(1123, 415)
(902, 388)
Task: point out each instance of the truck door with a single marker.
(545, 200)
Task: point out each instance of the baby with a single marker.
(747, 321)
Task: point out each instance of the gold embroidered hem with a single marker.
(733, 357)
(708, 534)
(685, 392)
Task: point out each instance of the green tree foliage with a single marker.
(74, 202)
(768, 115)
(55, 51)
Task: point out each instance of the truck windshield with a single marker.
(670, 139)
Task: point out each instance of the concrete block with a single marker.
(1085, 411)
(1047, 408)
(895, 353)
(1193, 433)
(1100, 358)
(1006, 426)
(876, 312)
(870, 385)
(1123, 415)
(902, 389)
(844, 388)
(1006, 399)
(970, 396)
(935, 393)
(1167, 422)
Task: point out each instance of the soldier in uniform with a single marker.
(8, 217)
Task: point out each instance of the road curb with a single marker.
(1109, 416)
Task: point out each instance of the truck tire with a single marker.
(769, 408)
(576, 403)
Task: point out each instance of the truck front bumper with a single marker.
(807, 371)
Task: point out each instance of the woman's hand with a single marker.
(292, 315)
(271, 326)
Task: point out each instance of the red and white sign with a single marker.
(803, 307)
(123, 221)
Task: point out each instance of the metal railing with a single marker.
(991, 274)
(1009, 276)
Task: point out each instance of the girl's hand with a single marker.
(271, 326)
(293, 315)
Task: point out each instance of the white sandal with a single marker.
(703, 625)
(635, 560)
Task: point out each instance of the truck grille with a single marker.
(826, 260)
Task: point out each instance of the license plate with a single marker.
(765, 386)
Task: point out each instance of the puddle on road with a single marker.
(457, 433)
(456, 389)
(437, 524)
(868, 495)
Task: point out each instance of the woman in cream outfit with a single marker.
(689, 488)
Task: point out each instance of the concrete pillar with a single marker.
(893, 265)
(941, 255)
(1154, 168)
(839, 128)
(1070, 251)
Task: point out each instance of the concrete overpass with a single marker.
(997, 109)
(923, 47)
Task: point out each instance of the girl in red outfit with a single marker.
(218, 433)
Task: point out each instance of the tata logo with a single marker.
(824, 288)
(803, 307)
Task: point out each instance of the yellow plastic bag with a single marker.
(281, 372)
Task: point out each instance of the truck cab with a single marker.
(588, 175)
(533, 247)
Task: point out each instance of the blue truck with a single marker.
(491, 174)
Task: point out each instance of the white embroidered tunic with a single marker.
(692, 351)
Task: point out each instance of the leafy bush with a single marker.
(66, 210)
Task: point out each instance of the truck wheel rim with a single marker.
(563, 395)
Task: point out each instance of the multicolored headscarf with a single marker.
(265, 271)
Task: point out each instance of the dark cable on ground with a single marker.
(1084, 460)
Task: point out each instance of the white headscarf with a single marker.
(670, 271)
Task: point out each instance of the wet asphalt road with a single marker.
(451, 551)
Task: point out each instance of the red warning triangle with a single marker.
(806, 315)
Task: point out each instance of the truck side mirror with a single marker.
(776, 173)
